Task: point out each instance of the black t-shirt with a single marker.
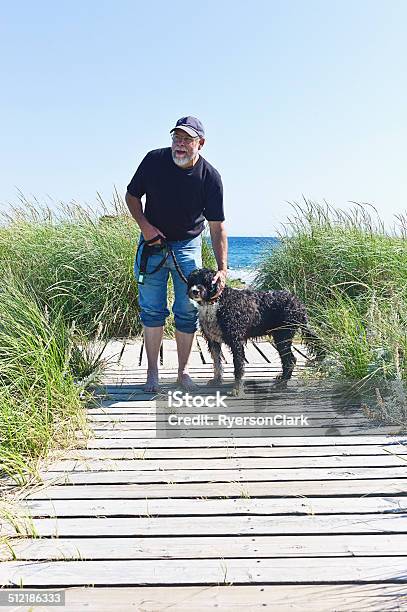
(178, 200)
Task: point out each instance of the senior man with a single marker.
(182, 189)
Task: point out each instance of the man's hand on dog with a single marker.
(220, 278)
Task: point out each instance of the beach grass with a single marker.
(67, 281)
(352, 275)
(40, 403)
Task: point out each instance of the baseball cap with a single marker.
(190, 125)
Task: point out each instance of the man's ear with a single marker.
(201, 143)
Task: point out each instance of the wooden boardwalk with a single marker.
(276, 520)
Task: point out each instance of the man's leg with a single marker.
(189, 258)
(152, 297)
(152, 341)
(184, 345)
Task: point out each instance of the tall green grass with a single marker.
(66, 274)
(323, 248)
(80, 262)
(352, 275)
(40, 403)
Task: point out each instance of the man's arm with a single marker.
(136, 210)
(220, 248)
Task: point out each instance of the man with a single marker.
(182, 190)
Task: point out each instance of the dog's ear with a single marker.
(192, 275)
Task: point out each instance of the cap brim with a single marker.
(186, 129)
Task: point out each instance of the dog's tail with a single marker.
(313, 342)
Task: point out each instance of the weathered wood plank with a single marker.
(153, 414)
(88, 548)
(112, 351)
(219, 525)
(209, 571)
(210, 507)
(277, 441)
(214, 475)
(308, 598)
(221, 452)
(145, 434)
(229, 463)
(161, 421)
(203, 347)
(252, 355)
(378, 486)
(195, 359)
(131, 355)
(269, 351)
(265, 370)
(170, 354)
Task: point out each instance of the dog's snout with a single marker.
(194, 292)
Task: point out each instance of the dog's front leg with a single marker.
(215, 350)
(237, 349)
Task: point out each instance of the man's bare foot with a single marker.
(185, 381)
(152, 384)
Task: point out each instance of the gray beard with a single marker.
(182, 162)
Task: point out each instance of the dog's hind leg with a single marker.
(215, 350)
(284, 339)
(237, 349)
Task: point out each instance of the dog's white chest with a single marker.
(209, 322)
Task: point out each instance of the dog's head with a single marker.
(200, 287)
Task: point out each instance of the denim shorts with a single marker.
(153, 292)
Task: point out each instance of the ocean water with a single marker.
(245, 253)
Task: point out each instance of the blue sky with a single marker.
(297, 98)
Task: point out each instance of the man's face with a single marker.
(185, 148)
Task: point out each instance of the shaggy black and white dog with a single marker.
(237, 315)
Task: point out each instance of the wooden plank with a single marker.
(203, 347)
(152, 414)
(308, 488)
(260, 404)
(263, 346)
(240, 475)
(161, 422)
(228, 463)
(131, 354)
(87, 548)
(269, 351)
(277, 441)
(206, 571)
(260, 434)
(210, 507)
(307, 598)
(252, 355)
(366, 451)
(205, 367)
(112, 352)
(227, 357)
(170, 354)
(202, 375)
(195, 359)
(273, 405)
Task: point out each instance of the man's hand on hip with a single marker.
(150, 231)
